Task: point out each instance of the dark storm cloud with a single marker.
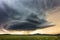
(3, 14)
(52, 3)
(25, 14)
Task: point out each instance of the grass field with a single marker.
(37, 37)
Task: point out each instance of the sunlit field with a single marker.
(36, 37)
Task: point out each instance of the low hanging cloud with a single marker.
(24, 14)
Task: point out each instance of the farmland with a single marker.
(25, 37)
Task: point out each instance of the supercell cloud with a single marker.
(25, 14)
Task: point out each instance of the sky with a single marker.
(53, 16)
(52, 13)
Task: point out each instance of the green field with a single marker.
(37, 37)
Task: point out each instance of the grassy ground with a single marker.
(14, 37)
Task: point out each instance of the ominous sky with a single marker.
(53, 15)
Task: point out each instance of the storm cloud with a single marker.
(25, 14)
